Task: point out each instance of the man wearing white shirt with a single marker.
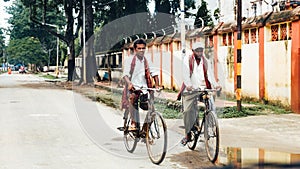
(137, 72)
(197, 74)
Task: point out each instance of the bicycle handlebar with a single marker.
(200, 90)
(137, 88)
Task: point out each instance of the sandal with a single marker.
(132, 128)
(184, 141)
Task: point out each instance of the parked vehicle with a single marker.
(22, 70)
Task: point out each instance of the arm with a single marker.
(211, 77)
(126, 74)
(153, 72)
(128, 82)
(156, 80)
(186, 74)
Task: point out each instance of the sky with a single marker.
(3, 15)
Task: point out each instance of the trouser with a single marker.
(190, 110)
(133, 108)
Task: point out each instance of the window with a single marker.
(211, 41)
(178, 45)
(224, 39)
(166, 47)
(246, 36)
(283, 32)
(274, 32)
(290, 30)
(230, 39)
(253, 36)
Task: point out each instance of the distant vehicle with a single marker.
(22, 70)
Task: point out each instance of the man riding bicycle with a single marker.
(197, 73)
(138, 71)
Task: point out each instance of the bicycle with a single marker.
(210, 123)
(153, 131)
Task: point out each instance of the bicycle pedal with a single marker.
(121, 128)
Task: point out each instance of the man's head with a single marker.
(139, 46)
(198, 49)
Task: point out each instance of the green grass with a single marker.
(231, 112)
(48, 76)
(167, 112)
(172, 109)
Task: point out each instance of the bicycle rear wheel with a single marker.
(130, 139)
(156, 138)
(194, 139)
(211, 136)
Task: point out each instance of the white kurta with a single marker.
(138, 75)
(197, 79)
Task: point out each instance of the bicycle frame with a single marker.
(208, 119)
(205, 96)
(140, 132)
(153, 131)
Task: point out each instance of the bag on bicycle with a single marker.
(144, 101)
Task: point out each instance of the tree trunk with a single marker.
(90, 63)
(68, 4)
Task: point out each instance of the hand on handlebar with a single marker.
(218, 88)
(158, 88)
(189, 88)
(130, 86)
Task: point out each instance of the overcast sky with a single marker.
(3, 15)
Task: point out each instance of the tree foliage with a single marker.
(203, 13)
(42, 13)
(2, 42)
(22, 27)
(27, 50)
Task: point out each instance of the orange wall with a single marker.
(295, 68)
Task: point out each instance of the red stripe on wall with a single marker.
(261, 63)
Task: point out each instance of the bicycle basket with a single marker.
(144, 101)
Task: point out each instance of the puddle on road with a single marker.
(257, 158)
(238, 158)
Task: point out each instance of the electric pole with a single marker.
(239, 55)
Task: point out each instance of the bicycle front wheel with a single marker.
(156, 138)
(211, 136)
(129, 138)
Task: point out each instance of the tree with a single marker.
(108, 10)
(2, 43)
(40, 14)
(203, 13)
(21, 27)
(27, 50)
(217, 14)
